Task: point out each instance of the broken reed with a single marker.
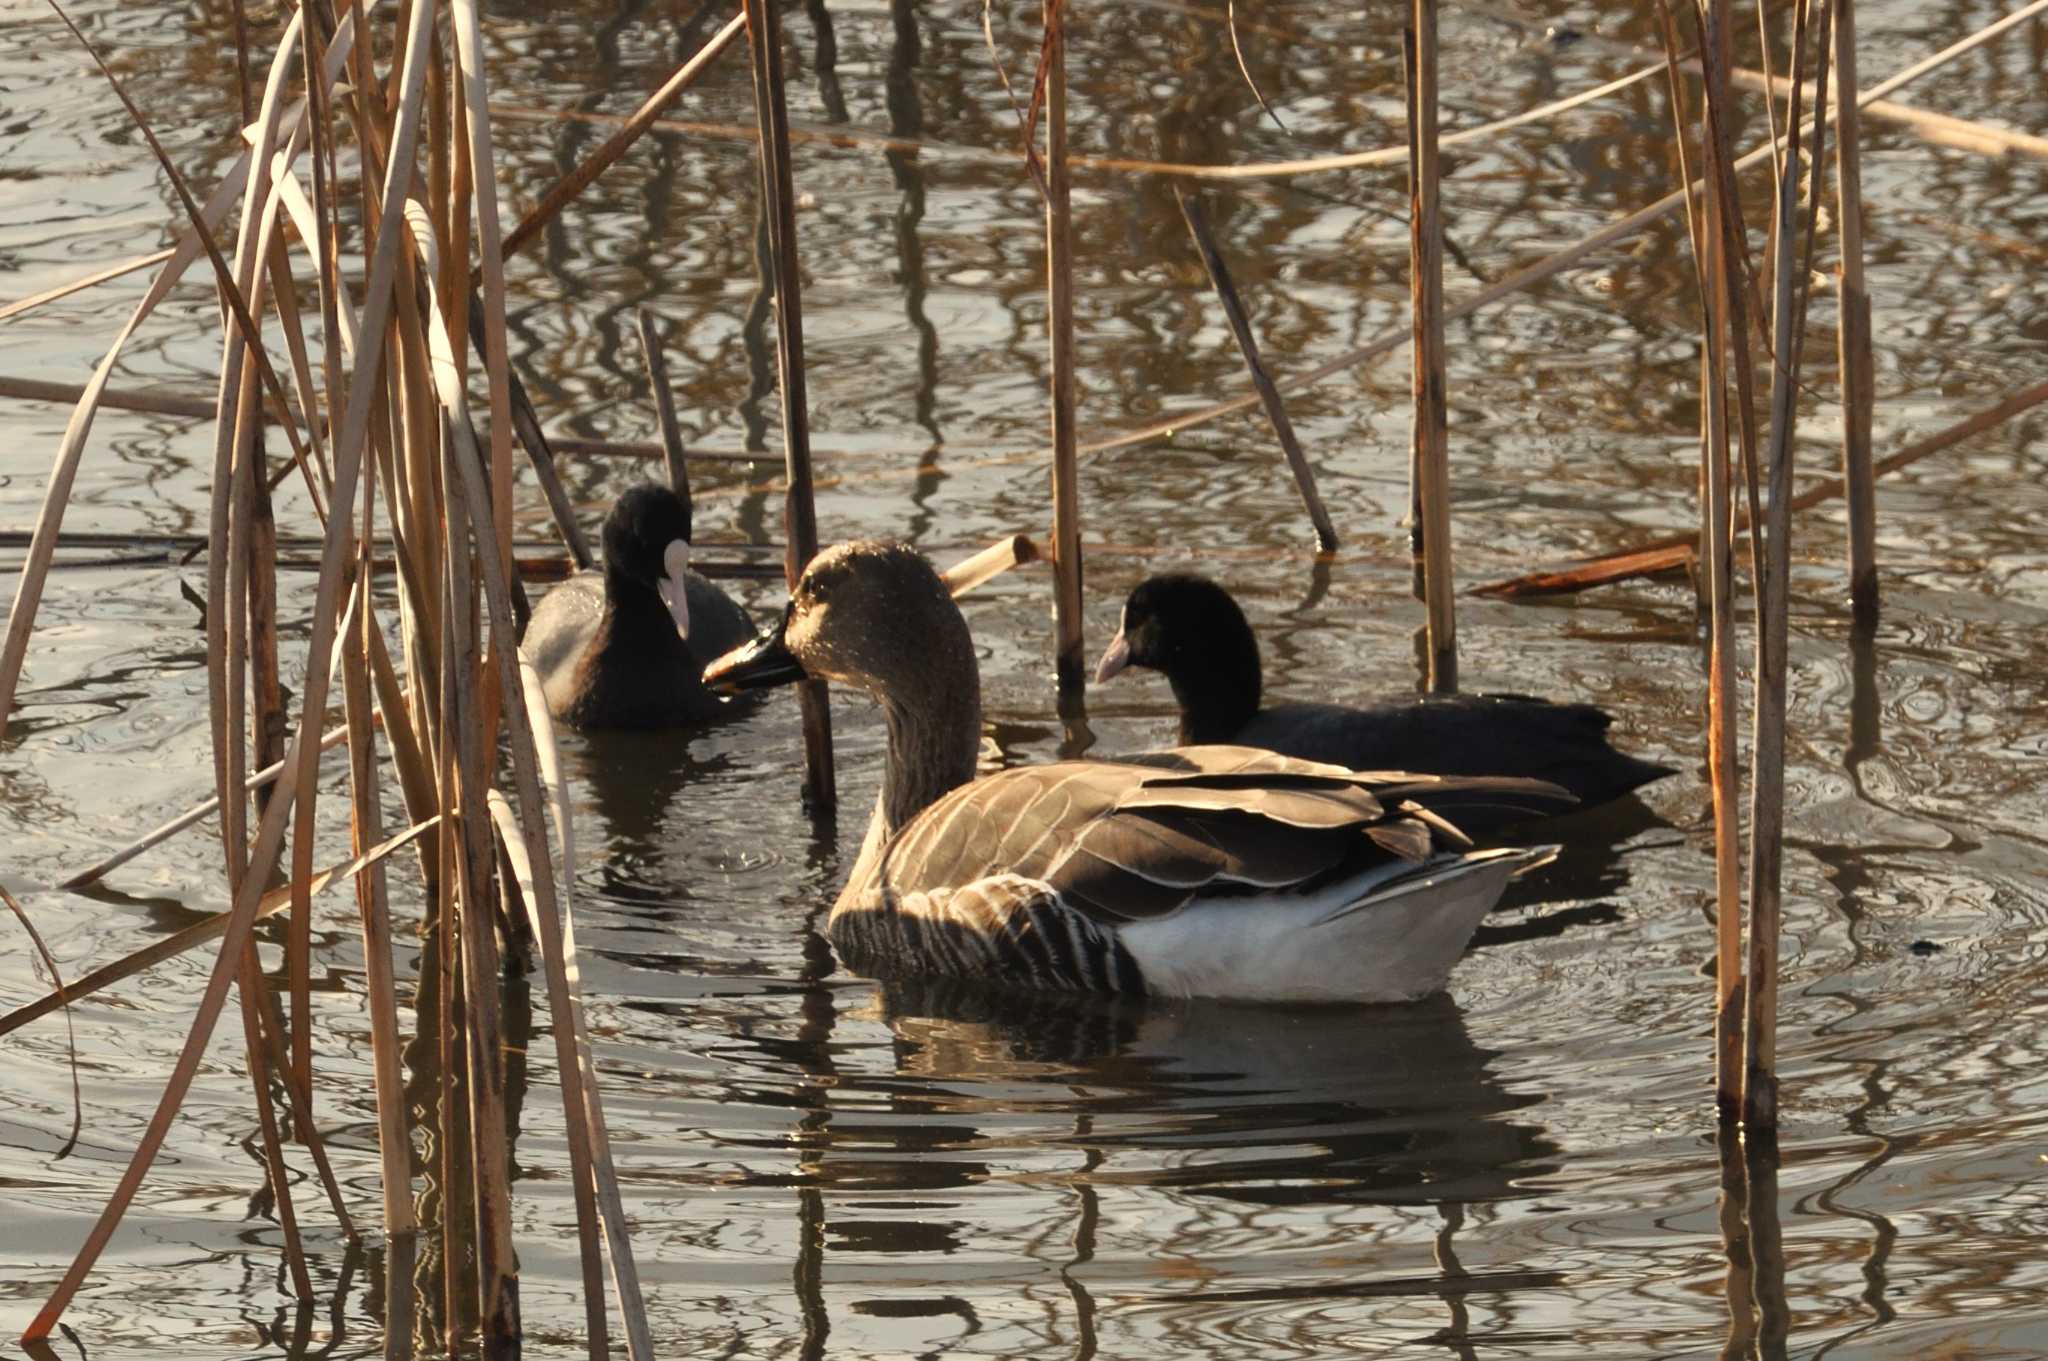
(1248, 348)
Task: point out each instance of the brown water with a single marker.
(818, 1165)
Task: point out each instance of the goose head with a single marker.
(647, 548)
(872, 615)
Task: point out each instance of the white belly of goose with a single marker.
(1391, 936)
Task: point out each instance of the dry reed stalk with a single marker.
(635, 127)
(1858, 374)
(116, 399)
(42, 949)
(1938, 129)
(1069, 661)
(562, 1005)
(319, 230)
(800, 515)
(1715, 48)
(250, 985)
(197, 813)
(479, 160)
(268, 720)
(1673, 551)
(1767, 783)
(283, 294)
(476, 929)
(1714, 412)
(1248, 347)
(394, 1136)
(611, 1205)
(195, 935)
(79, 285)
(664, 405)
(540, 455)
(642, 449)
(1720, 294)
(437, 995)
(990, 563)
(231, 605)
(1431, 481)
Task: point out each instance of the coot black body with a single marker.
(610, 645)
(1190, 628)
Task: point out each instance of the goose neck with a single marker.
(934, 739)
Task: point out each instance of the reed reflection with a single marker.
(1759, 1316)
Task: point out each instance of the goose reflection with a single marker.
(1287, 1106)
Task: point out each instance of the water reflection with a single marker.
(1220, 1116)
(1759, 1316)
(634, 784)
(1288, 1106)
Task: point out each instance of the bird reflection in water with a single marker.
(1191, 1105)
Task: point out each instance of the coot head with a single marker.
(647, 544)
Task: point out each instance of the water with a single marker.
(819, 1165)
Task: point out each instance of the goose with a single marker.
(1212, 871)
(1192, 630)
(624, 647)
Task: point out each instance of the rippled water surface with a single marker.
(819, 1165)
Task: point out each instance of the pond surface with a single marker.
(822, 1166)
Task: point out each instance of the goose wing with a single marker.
(1135, 839)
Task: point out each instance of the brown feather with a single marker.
(1408, 839)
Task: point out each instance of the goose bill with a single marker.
(1114, 659)
(758, 665)
(675, 564)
